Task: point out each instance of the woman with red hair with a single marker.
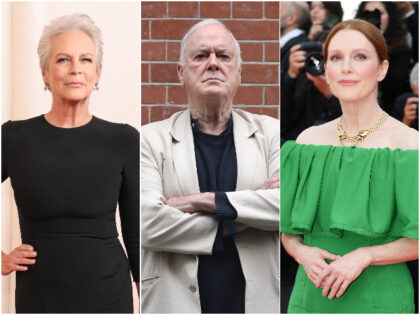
(349, 193)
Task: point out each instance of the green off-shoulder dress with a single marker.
(343, 198)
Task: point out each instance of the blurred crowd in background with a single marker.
(306, 99)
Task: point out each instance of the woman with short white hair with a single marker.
(69, 170)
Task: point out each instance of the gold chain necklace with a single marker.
(362, 133)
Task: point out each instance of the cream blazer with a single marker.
(172, 240)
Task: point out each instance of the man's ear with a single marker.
(180, 71)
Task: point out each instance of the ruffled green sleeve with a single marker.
(326, 190)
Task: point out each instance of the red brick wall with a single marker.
(254, 24)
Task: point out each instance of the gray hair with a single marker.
(204, 23)
(303, 19)
(74, 22)
(414, 76)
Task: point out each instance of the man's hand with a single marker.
(321, 84)
(183, 203)
(17, 257)
(272, 183)
(193, 203)
(410, 110)
(296, 61)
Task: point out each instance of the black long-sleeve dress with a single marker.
(67, 183)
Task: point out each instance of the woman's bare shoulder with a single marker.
(324, 134)
(403, 137)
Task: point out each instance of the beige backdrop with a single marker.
(117, 100)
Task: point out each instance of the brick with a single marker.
(153, 9)
(176, 95)
(162, 112)
(153, 94)
(253, 30)
(144, 115)
(153, 51)
(272, 52)
(272, 95)
(248, 95)
(182, 9)
(269, 111)
(247, 10)
(144, 29)
(215, 9)
(251, 52)
(266, 74)
(170, 29)
(164, 72)
(173, 51)
(272, 10)
(144, 72)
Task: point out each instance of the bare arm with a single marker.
(341, 273)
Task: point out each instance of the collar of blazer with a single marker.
(242, 125)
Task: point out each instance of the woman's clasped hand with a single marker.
(335, 277)
(21, 255)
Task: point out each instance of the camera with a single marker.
(314, 63)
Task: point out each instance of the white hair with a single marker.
(204, 23)
(414, 76)
(74, 22)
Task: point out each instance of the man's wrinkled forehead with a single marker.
(210, 36)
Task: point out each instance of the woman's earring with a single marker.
(96, 86)
(46, 87)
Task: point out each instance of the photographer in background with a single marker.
(324, 12)
(406, 105)
(306, 99)
(294, 27)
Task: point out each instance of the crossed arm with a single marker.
(205, 202)
(334, 278)
(184, 224)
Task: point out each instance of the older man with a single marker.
(209, 192)
(295, 22)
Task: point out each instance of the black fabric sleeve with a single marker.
(129, 201)
(224, 209)
(4, 150)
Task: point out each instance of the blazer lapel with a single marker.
(184, 155)
(243, 134)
